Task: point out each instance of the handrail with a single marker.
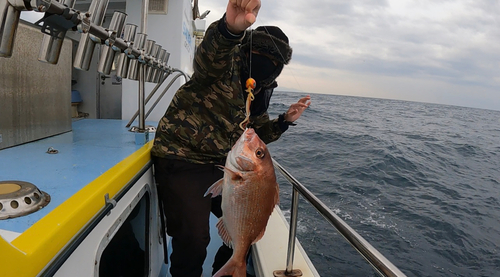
(381, 264)
(158, 85)
(165, 91)
(155, 89)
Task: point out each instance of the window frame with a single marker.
(111, 232)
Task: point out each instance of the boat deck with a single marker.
(92, 148)
(89, 150)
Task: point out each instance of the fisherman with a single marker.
(203, 122)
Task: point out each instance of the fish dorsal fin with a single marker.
(245, 163)
(215, 189)
(223, 233)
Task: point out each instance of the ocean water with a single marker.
(420, 182)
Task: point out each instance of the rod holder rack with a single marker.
(60, 17)
(138, 58)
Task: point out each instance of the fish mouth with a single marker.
(237, 156)
(249, 133)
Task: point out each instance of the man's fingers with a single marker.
(304, 99)
(251, 6)
(250, 18)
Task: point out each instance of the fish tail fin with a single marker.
(232, 268)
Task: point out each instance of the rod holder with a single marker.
(9, 20)
(50, 49)
(85, 50)
(123, 60)
(154, 63)
(162, 57)
(148, 50)
(97, 11)
(164, 66)
(10, 13)
(139, 43)
(108, 51)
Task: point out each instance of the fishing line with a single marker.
(251, 44)
(283, 58)
(250, 85)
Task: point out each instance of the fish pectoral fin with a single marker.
(245, 163)
(223, 233)
(215, 189)
(234, 175)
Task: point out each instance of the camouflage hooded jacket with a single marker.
(202, 122)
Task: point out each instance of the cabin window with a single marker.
(158, 7)
(127, 254)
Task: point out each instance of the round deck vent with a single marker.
(19, 198)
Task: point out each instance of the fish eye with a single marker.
(259, 153)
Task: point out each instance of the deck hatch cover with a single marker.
(18, 198)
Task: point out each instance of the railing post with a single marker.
(292, 236)
(293, 231)
(142, 119)
(289, 271)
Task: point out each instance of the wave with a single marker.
(418, 181)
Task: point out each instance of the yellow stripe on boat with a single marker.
(31, 251)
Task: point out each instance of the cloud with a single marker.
(456, 43)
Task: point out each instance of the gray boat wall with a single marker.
(35, 97)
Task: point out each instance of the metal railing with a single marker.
(381, 264)
(153, 92)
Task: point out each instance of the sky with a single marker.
(444, 52)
